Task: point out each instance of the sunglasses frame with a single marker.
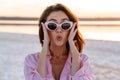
(60, 24)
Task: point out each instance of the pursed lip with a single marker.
(59, 38)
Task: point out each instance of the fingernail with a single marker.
(42, 23)
(75, 23)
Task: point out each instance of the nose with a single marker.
(58, 30)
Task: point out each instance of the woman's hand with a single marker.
(71, 37)
(74, 51)
(72, 34)
(41, 67)
(46, 38)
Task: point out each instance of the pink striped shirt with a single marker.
(31, 60)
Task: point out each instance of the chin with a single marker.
(59, 44)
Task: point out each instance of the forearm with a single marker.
(75, 58)
(41, 67)
(75, 65)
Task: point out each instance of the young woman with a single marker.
(61, 56)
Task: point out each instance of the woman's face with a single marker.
(58, 37)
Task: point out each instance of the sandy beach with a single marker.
(103, 55)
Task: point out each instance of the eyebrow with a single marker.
(52, 20)
(56, 20)
(65, 19)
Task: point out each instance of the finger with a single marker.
(43, 26)
(71, 31)
(45, 31)
(74, 25)
(75, 32)
(73, 35)
(73, 28)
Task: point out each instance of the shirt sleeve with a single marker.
(30, 71)
(84, 73)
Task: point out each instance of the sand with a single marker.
(103, 55)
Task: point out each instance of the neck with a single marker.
(58, 50)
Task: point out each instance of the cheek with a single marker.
(66, 36)
(51, 35)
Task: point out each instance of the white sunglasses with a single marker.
(66, 25)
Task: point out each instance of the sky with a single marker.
(82, 8)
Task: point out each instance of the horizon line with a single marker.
(80, 19)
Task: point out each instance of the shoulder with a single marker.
(31, 59)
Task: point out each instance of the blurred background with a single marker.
(99, 23)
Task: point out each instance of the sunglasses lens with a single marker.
(52, 26)
(66, 26)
